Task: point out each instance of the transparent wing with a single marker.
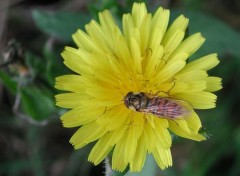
(169, 108)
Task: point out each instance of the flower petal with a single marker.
(190, 44)
(162, 156)
(213, 84)
(158, 26)
(84, 41)
(191, 75)
(107, 22)
(105, 145)
(139, 12)
(139, 158)
(118, 158)
(96, 33)
(191, 86)
(81, 116)
(199, 100)
(86, 134)
(74, 61)
(180, 23)
(194, 123)
(153, 61)
(172, 43)
(70, 100)
(114, 118)
(163, 136)
(184, 131)
(73, 83)
(168, 71)
(136, 56)
(204, 63)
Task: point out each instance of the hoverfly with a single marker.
(159, 106)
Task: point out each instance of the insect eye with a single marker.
(126, 102)
(127, 99)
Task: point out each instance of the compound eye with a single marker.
(126, 102)
(127, 99)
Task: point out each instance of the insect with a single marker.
(14, 59)
(161, 107)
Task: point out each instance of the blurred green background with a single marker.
(32, 36)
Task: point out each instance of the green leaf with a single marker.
(37, 103)
(37, 64)
(54, 66)
(8, 82)
(47, 67)
(61, 24)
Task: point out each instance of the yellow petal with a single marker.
(139, 158)
(74, 61)
(73, 83)
(70, 100)
(102, 93)
(105, 145)
(114, 118)
(174, 35)
(155, 38)
(84, 41)
(213, 84)
(198, 100)
(94, 30)
(168, 71)
(128, 26)
(139, 12)
(182, 55)
(136, 56)
(118, 158)
(136, 122)
(100, 149)
(184, 132)
(86, 134)
(191, 75)
(190, 44)
(158, 27)
(80, 116)
(107, 22)
(163, 136)
(153, 61)
(194, 123)
(162, 156)
(191, 86)
(180, 23)
(130, 144)
(123, 52)
(149, 136)
(160, 122)
(173, 41)
(204, 63)
(144, 33)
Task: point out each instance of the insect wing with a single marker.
(186, 108)
(169, 108)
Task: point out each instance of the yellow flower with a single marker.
(145, 56)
